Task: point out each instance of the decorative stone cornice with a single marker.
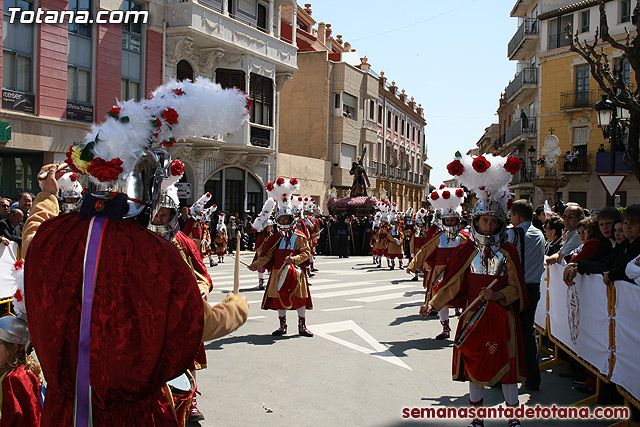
(210, 59)
(281, 79)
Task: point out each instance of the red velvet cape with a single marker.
(20, 399)
(146, 324)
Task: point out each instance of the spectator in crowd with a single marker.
(553, 228)
(541, 218)
(594, 246)
(558, 208)
(232, 230)
(572, 215)
(182, 219)
(530, 243)
(10, 228)
(5, 207)
(24, 203)
(613, 266)
(601, 148)
(606, 218)
(618, 232)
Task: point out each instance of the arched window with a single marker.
(184, 71)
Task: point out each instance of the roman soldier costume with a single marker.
(434, 255)
(286, 253)
(263, 225)
(395, 239)
(489, 347)
(195, 228)
(117, 312)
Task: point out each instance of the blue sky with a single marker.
(450, 56)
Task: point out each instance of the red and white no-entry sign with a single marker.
(611, 182)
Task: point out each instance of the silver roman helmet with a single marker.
(14, 330)
(70, 192)
(446, 201)
(281, 191)
(172, 172)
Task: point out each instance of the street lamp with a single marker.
(611, 119)
(531, 152)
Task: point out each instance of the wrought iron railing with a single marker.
(525, 77)
(530, 27)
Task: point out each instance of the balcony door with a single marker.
(582, 85)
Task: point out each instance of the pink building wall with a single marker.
(108, 70)
(51, 73)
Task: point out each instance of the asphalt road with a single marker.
(371, 357)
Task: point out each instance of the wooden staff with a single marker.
(43, 175)
(478, 298)
(236, 271)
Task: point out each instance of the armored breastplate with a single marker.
(495, 265)
(445, 242)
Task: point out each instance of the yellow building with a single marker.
(568, 95)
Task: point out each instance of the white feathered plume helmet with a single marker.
(393, 214)
(281, 191)
(262, 219)
(447, 200)
(310, 204)
(297, 204)
(198, 206)
(175, 111)
(208, 213)
(376, 219)
(69, 185)
(488, 176)
(409, 213)
(420, 216)
(384, 211)
(168, 187)
(221, 228)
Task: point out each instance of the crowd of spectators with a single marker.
(13, 214)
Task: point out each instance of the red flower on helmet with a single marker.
(114, 113)
(18, 296)
(480, 164)
(18, 265)
(214, 206)
(73, 177)
(442, 186)
(284, 198)
(170, 116)
(299, 198)
(482, 188)
(459, 192)
(208, 194)
(446, 195)
(178, 91)
(280, 181)
(105, 171)
(270, 186)
(455, 168)
(434, 196)
(177, 168)
(168, 143)
(512, 165)
(293, 181)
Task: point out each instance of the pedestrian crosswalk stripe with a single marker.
(359, 291)
(375, 298)
(343, 308)
(377, 350)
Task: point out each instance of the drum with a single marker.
(471, 324)
(182, 389)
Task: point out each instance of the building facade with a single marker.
(58, 78)
(568, 97)
(343, 106)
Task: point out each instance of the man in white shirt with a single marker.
(530, 243)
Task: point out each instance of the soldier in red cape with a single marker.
(286, 254)
(489, 346)
(443, 238)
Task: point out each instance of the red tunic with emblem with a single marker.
(493, 350)
(197, 231)
(379, 239)
(288, 288)
(220, 243)
(20, 399)
(146, 323)
(395, 242)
